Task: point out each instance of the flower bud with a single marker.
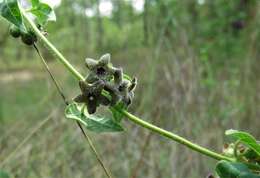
(14, 31)
(29, 38)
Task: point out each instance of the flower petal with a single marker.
(90, 63)
(91, 108)
(104, 100)
(79, 99)
(104, 60)
(91, 78)
(84, 87)
(99, 86)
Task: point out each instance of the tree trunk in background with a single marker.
(100, 30)
(118, 12)
(87, 33)
(164, 14)
(145, 23)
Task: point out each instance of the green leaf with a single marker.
(248, 175)
(35, 2)
(245, 138)
(117, 115)
(251, 155)
(92, 122)
(42, 11)
(227, 169)
(10, 10)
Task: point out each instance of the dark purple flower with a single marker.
(91, 95)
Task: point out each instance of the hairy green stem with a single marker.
(131, 117)
(175, 137)
(74, 72)
(61, 58)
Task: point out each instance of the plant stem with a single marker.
(61, 58)
(131, 117)
(175, 137)
(74, 72)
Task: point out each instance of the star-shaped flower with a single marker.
(114, 93)
(91, 95)
(113, 80)
(127, 91)
(123, 92)
(99, 70)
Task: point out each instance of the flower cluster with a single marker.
(28, 38)
(104, 76)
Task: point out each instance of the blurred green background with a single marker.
(197, 63)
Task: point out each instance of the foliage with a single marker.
(246, 157)
(42, 11)
(9, 9)
(234, 170)
(92, 122)
(246, 139)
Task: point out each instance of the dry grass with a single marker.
(176, 97)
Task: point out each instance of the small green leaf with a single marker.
(101, 124)
(10, 10)
(245, 138)
(117, 115)
(42, 11)
(92, 122)
(227, 169)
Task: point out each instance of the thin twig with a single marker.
(94, 150)
(78, 123)
(52, 77)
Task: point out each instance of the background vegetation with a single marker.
(197, 65)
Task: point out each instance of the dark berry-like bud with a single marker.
(29, 38)
(210, 176)
(14, 31)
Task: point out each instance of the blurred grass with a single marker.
(180, 99)
(194, 83)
